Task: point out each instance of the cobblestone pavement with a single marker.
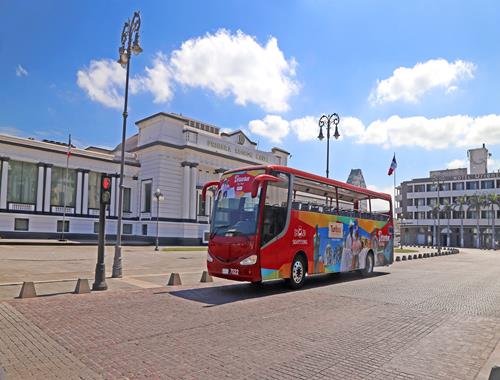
(435, 318)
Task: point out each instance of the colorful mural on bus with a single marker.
(332, 243)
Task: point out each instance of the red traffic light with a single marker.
(106, 183)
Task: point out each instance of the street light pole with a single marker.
(159, 197)
(130, 31)
(326, 121)
(438, 182)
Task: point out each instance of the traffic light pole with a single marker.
(100, 270)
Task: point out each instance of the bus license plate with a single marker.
(233, 271)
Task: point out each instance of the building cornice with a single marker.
(181, 147)
(48, 147)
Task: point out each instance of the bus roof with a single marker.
(361, 191)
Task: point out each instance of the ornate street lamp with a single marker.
(130, 44)
(158, 197)
(437, 182)
(326, 121)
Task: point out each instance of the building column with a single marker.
(78, 205)
(85, 192)
(3, 183)
(185, 192)
(39, 190)
(192, 191)
(48, 187)
(113, 204)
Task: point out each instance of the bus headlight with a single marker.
(209, 258)
(250, 260)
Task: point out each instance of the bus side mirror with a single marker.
(206, 187)
(261, 179)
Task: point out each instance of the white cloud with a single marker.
(456, 164)
(410, 83)
(21, 71)
(237, 64)
(225, 63)
(460, 131)
(438, 133)
(493, 165)
(157, 80)
(103, 82)
(274, 127)
(306, 128)
(351, 126)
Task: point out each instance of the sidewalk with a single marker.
(56, 269)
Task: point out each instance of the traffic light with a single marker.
(105, 189)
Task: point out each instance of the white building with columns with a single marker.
(170, 152)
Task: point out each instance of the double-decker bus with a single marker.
(275, 222)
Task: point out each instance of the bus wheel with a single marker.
(298, 273)
(369, 263)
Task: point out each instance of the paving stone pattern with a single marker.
(435, 318)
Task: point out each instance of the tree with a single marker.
(447, 207)
(493, 200)
(459, 205)
(476, 202)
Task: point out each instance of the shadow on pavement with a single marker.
(220, 295)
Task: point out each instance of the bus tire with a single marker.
(369, 264)
(297, 272)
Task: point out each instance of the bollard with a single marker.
(205, 277)
(28, 290)
(415, 256)
(403, 258)
(175, 279)
(398, 258)
(410, 257)
(82, 286)
(432, 254)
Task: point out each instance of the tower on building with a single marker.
(478, 160)
(356, 178)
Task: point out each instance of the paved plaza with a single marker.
(433, 318)
(55, 269)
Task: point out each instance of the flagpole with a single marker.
(64, 191)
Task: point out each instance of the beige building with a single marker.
(416, 200)
(170, 152)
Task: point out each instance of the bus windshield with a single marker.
(235, 211)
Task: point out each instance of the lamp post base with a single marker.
(117, 262)
(100, 278)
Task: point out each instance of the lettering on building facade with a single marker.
(238, 150)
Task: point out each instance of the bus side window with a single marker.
(275, 209)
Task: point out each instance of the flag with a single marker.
(393, 166)
(69, 146)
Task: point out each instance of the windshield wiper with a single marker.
(217, 228)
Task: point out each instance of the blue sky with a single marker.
(403, 78)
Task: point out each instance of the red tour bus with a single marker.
(272, 222)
